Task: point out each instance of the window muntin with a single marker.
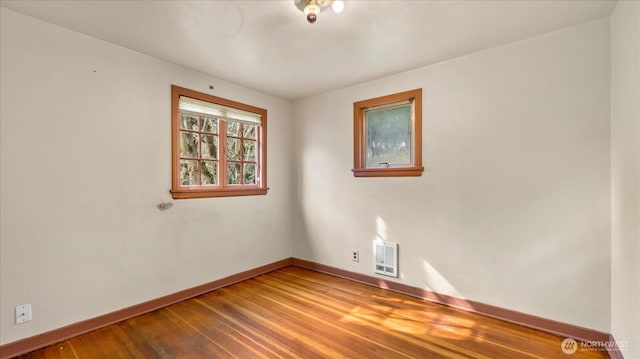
(198, 149)
(241, 153)
(388, 135)
(219, 146)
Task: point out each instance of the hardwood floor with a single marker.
(297, 313)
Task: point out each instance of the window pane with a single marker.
(189, 122)
(233, 173)
(388, 133)
(189, 172)
(233, 129)
(209, 125)
(249, 151)
(189, 144)
(209, 173)
(249, 173)
(249, 131)
(233, 149)
(209, 146)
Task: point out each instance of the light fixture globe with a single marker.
(337, 6)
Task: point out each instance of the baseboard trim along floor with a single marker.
(30, 344)
(58, 335)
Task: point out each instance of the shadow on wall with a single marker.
(433, 279)
(302, 246)
(436, 286)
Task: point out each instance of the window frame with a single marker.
(222, 189)
(360, 168)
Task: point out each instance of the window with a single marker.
(388, 136)
(218, 146)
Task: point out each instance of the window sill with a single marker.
(226, 192)
(388, 172)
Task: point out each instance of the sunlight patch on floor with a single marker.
(415, 321)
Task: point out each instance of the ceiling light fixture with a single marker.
(312, 8)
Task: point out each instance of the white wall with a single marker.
(85, 156)
(513, 208)
(625, 175)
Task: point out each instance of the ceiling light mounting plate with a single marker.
(312, 8)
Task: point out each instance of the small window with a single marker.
(388, 136)
(218, 147)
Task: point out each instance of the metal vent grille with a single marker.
(386, 258)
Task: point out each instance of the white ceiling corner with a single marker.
(268, 45)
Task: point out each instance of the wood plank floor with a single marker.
(297, 313)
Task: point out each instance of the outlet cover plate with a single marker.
(23, 313)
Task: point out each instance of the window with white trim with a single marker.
(218, 146)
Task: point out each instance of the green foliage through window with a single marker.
(388, 136)
(218, 146)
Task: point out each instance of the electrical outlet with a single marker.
(355, 256)
(23, 313)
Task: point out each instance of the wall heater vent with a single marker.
(386, 258)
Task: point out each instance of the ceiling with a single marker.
(269, 46)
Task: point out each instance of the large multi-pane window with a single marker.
(218, 146)
(388, 135)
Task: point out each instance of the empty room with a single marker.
(320, 179)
